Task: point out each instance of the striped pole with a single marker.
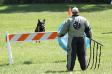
(37, 36)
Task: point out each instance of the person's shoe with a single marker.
(69, 70)
(83, 69)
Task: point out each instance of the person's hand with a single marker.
(60, 35)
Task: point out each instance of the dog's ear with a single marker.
(44, 20)
(38, 20)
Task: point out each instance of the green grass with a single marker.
(47, 57)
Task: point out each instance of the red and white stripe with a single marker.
(37, 36)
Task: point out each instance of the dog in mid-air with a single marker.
(40, 26)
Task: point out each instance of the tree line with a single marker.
(51, 1)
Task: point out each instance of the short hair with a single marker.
(75, 10)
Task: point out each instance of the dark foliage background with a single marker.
(51, 1)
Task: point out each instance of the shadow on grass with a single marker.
(55, 71)
(4, 65)
(60, 71)
(27, 62)
(53, 8)
(60, 61)
(107, 33)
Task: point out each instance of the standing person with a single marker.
(76, 26)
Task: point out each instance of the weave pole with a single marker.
(95, 54)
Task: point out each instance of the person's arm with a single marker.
(64, 29)
(88, 30)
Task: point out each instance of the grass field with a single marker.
(47, 57)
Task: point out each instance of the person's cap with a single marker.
(75, 9)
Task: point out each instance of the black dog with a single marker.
(40, 26)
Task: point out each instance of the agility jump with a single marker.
(27, 37)
(95, 49)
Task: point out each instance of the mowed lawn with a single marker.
(47, 57)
